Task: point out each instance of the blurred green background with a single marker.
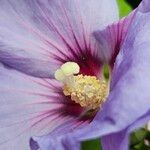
(137, 138)
(126, 6)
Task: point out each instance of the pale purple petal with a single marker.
(22, 45)
(28, 107)
(144, 7)
(120, 140)
(112, 37)
(54, 143)
(116, 141)
(57, 138)
(37, 35)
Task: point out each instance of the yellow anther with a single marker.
(87, 91)
(59, 75)
(70, 68)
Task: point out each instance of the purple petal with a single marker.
(28, 107)
(116, 141)
(112, 37)
(37, 34)
(55, 143)
(57, 138)
(20, 108)
(120, 140)
(144, 7)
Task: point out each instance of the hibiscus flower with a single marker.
(52, 55)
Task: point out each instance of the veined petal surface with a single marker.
(112, 37)
(30, 107)
(36, 36)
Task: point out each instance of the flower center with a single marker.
(88, 91)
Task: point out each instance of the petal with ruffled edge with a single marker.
(37, 35)
(32, 106)
(120, 140)
(115, 141)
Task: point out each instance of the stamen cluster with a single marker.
(87, 91)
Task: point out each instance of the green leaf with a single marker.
(138, 136)
(141, 146)
(124, 8)
(91, 145)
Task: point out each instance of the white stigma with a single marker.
(66, 70)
